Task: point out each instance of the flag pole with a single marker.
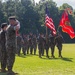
(46, 26)
(46, 35)
(58, 29)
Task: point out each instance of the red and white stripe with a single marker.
(49, 23)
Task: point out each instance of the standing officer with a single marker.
(25, 38)
(11, 43)
(19, 43)
(52, 44)
(47, 45)
(3, 47)
(34, 43)
(41, 42)
(23, 45)
(0, 44)
(27, 44)
(31, 43)
(59, 40)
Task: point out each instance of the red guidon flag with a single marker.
(49, 23)
(66, 26)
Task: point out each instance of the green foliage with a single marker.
(32, 15)
(2, 17)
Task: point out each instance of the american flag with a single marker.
(49, 22)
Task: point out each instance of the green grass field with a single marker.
(33, 65)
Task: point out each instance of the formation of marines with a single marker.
(12, 43)
(29, 44)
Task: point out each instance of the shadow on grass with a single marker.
(63, 58)
(25, 56)
(67, 59)
(21, 55)
(8, 74)
(45, 58)
(3, 73)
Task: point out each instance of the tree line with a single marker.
(32, 15)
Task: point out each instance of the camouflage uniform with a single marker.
(41, 42)
(47, 46)
(23, 45)
(25, 37)
(52, 44)
(31, 43)
(18, 44)
(11, 46)
(59, 40)
(27, 44)
(3, 50)
(0, 46)
(34, 44)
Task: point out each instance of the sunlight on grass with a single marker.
(33, 65)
